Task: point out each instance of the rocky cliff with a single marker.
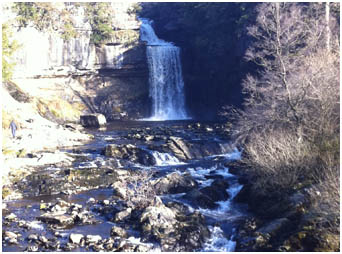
(111, 78)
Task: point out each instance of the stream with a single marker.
(88, 188)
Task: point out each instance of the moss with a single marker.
(21, 153)
(5, 192)
(9, 152)
(117, 109)
(301, 235)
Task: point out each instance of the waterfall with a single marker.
(165, 76)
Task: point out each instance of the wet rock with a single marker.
(149, 138)
(43, 239)
(131, 153)
(75, 238)
(142, 248)
(118, 231)
(123, 215)
(23, 224)
(254, 243)
(11, 237)
(179, 148)
(69, 247)
(32, 248)
(60, 219)
(93, 120)
(157, 219)
(11, 217)
(244, 194)
(91, 200)
(173, 227)
(174, 183)
(200, 199)
(217, 190)
(273, 227)
(33, 237)
(195, 149)
(93, 238)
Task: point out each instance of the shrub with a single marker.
(9, 46)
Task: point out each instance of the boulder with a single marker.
(179, 148)
(119, 190)
(76, 238)
(200, 199)
(11, 217)
(131, 153)
(118, 231)
(217, 190)
(93, 120)
(59, 219)
(123, 215)
(93, 238)
(272, 228)
(10, 235)
(174, 183)
(195, 149)
(158, 221)
(32, 237)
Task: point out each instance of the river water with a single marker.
(221, 220)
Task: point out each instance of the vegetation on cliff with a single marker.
(9, 46)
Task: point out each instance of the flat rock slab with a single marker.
(60, 219)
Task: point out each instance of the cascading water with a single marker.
(165, 76)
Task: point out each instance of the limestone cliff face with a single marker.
(114, 75)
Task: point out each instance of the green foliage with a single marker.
(68, 31)
(135, 9)
(100, 18)
(45, 16)
(8, 48)
(41, 15)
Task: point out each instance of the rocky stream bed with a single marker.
(138, 186)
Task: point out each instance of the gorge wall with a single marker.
(111, 78)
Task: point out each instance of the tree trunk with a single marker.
(327, 28)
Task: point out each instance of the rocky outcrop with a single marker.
(174, 183)
(194, 149)
(111, 78)
(282, 223)
(93, 120)
(131, 153)
(174, 230)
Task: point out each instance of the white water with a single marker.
(218, 242)
(165, 76)
(165, 159)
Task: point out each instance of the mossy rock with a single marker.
(5, 192)
(22, 153)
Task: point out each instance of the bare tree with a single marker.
(284, 94)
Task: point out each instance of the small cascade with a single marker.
(165, 159)
(165, 76)
(218, 241)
